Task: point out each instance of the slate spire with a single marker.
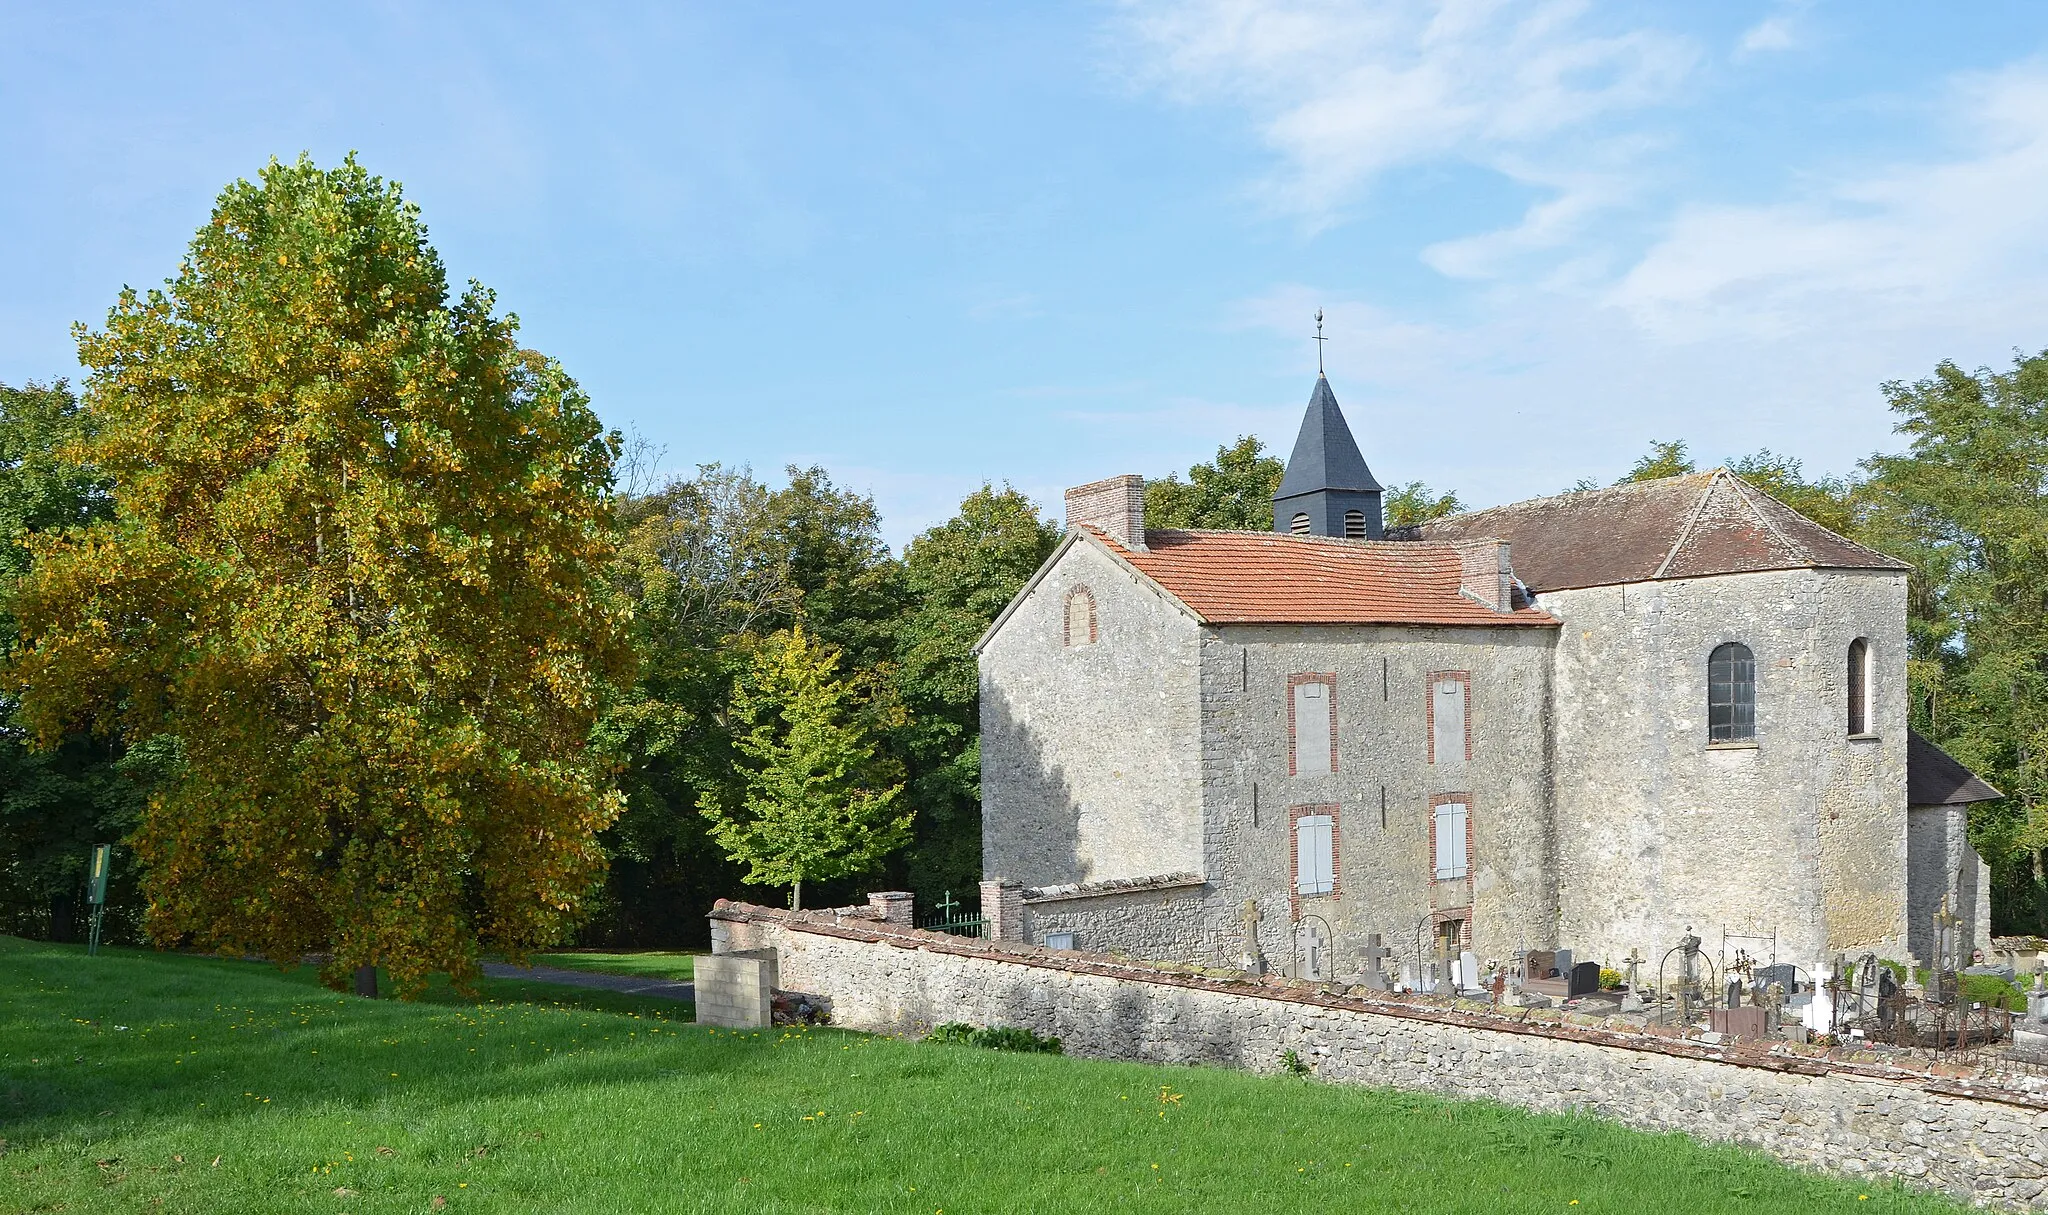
(1328, 490)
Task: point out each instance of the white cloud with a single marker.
(1617, 311)
(1931, 243)
(1773, 33)
(1344, 92)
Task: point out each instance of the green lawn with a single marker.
(652, 964)
(143, 1082)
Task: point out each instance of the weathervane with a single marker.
(1320, 339)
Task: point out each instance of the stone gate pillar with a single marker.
(1002, 909)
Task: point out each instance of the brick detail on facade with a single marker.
(1295, 813)
(1452, 898)
(1429, 709)
(1067, 617)
(1329, 681)
(1114, 506)
(1002, 909)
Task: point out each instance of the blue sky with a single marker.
(931, 245)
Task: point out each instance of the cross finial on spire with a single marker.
(1320, 339)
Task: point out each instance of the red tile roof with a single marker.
(1273, 578)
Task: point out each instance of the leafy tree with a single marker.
(1663, 460)
(1829, 501)
(959, 576)
(55, 804)
(356, 571)
(830, 543)
(1233, 494)
(1415, 503)
(815, 801)
(1967, 505)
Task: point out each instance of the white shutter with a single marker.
(1449, 716)
(1451, 828)
(1314, 855)
(1311, 729)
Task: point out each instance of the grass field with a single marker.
(652, 964)
(142, 1082)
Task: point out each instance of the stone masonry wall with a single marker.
(1803, 832)
(1384, 787)
(1990, 1146)
(1089, 769)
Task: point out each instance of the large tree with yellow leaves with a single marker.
(356, 572)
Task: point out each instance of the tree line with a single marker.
(339, 609)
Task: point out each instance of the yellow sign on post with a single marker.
(96, 891)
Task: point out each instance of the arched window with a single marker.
(1298, 525)
(1080, 624)
(1731, 694)
(1354, 525)
(1859, 686)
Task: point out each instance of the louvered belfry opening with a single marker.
(1327, 490)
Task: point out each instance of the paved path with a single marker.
(632, 985)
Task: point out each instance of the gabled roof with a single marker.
(1275, 578)
(1674, 527)
(1325, 455)
(1935, 778)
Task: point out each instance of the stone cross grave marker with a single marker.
(1254, 959)
(1374, 954)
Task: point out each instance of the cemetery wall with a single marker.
(1107, 726)
(1802, 833)
(1166, 921)
(1862, 1120)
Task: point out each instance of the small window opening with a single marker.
(1731, 694)
(1314, 740)
(1315, 867)
(1447, 735)
(1453, 857)
(1354, 525)
(1298, 525)
(1859, 686)
(1080, 617)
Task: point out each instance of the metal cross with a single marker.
(1320, 339)
(946, 905)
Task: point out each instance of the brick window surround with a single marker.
(1451, 898)
(1329, 681)
(1429, 709)
(1295, 813)
(1067, 617)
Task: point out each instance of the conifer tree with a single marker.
(356, 571)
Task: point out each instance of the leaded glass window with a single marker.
(1731, 694)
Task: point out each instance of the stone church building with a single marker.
(1590, 722)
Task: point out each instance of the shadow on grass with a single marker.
(140, 1033)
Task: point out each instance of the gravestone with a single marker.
(1561, 961)
(1784, 974)
(1468, 971)
(1374, 954)
(1253, 960)
(1411, 977)
(1541, 963)
(1584, 981)
(1745, 1022)
(2037, 999)
(1733, 992)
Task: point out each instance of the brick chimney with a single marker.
(1484, 573)
(1116, 506)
